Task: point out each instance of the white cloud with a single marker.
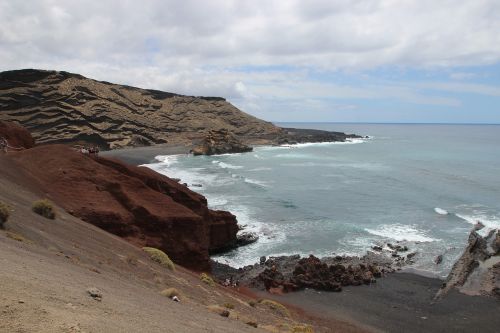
(193, 47)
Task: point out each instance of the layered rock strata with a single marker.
(61, 107)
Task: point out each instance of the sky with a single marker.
(316, 60)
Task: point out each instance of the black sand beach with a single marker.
(401, 302)
(144, 155)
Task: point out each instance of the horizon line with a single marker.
(379, 123)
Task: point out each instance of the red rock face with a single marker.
(136, 203)
(16, 135)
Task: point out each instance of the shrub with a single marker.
(160, 257)
(229, 306)
(4, 213)
(252, 303)
(44, 208)
(207, 279)
(302, 329)
(279, 308)
(17, 237)
(219, 310)
(170, 292)
(252, 323)
(131, 260)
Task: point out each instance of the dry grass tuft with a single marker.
(277, 307)
(14, 236)
(171, 292)
(229, 306)
(302, 329)
(44, 208)
(131, 260)
(252, 303)
(4, 213)
(205, 278)
(160, 257)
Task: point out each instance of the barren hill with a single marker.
(61, 107)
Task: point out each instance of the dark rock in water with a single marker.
(246, 238)
(478, 226)
(411, 255)
(220, 142)
(438, 259)
(196, 185)
(397, 248)
(377, 248)
(296, 135)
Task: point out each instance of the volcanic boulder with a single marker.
(220, 142)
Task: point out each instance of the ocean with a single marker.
(422, 185)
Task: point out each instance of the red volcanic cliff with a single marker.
(136, 203)
(16, 135)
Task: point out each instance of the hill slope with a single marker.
(59, 107)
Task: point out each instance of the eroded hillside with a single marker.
(60, 107)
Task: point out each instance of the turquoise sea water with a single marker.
(343, 198)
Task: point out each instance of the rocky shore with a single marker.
(292, 273)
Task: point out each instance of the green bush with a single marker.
(279, 308)
(160, 257)
(44, 208)
(4, 213)
(207, 279)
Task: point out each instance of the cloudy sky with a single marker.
(288, 60)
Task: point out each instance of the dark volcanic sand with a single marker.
(401, 302)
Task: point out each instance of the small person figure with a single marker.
(3, 145)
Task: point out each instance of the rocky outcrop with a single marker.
(61, 107)
(220, 142)
(477, 271)
(299, 135)
(292, 273)
(136, 203)
(17, 136)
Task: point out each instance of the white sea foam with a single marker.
(256, 182)
(489, 222)
(260, 169)
(440, 211)
(167, 160)
(227, 165)
(400, 232)
(309, 144)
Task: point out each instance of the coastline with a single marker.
(397, 302)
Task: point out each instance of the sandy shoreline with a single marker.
(398, 302)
